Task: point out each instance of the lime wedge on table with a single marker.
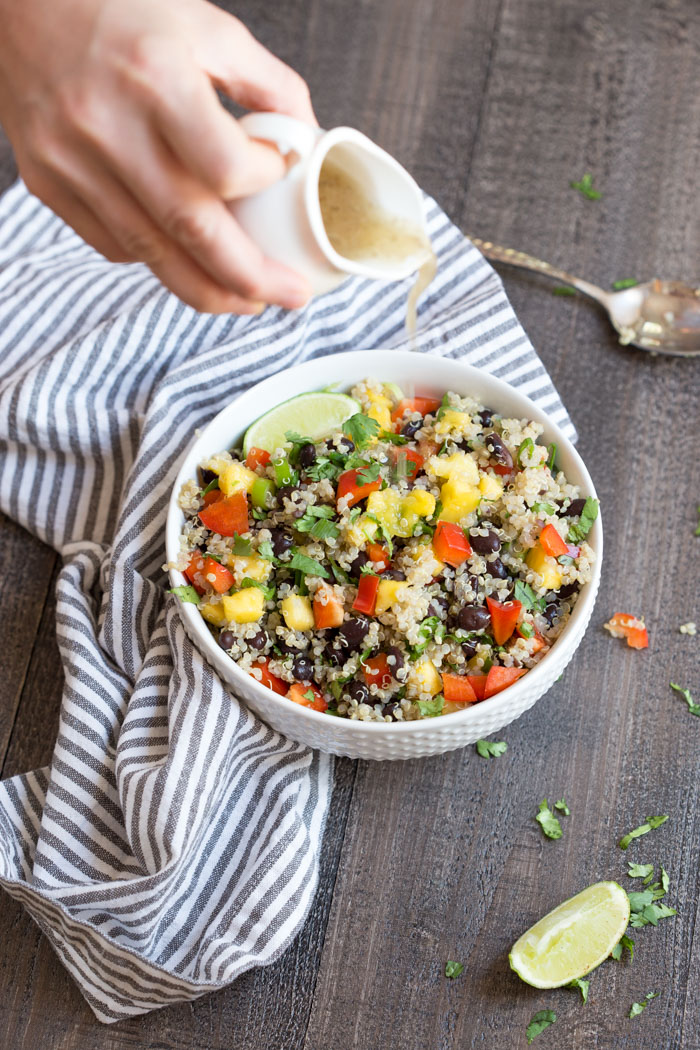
(312, 415)
(573, 939)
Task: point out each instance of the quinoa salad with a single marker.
(421, 557)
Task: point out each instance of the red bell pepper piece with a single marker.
(536, 637)
(328, 611)
(623, 625)
(348, 485)
(379, 556)
(499, 468)
(478, 684)
(424, 405)
(213, 496)
(458, 689)
(257, 457)
(504, 617)
(200, 568)
(450, 543)
(412, 459)
(377, 671)
(278, 685)
(499, 678)
(227, 516)
(366, 594)
(194, 571)
(552, 543)
(307, 696)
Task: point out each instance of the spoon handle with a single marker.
(528, 262)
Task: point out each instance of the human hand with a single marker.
(111, 108)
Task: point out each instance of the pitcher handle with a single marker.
(289, 135)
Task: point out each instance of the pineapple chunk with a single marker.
(255, 567)
(399, 515)
(450, 418)
(380, 409)
(235, 477)
(458, 498)
(459, 464)
(418, 502)
(214, 613)
(420, 549)
(385, 506)
(490, 487)
(219, 462)
(298, 612)
(388, 592)
(361, 531)
(425, 677)
(545, 566)
(244, 606)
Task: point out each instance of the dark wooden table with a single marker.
(495, 107)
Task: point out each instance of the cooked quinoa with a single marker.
(420, 558)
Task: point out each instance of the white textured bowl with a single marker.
(428, 375)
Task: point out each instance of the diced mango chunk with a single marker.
(387, 594)
(244, 606)
(449, 419)
(541, 563)
(458, 499)
(255, 567)
(362, 531)
(236, 477)
(490, 487)
(418, 502)
(380, 409)
(424, 676)
(399, 515)
(214, 613)
(298, 612)
(459, 464)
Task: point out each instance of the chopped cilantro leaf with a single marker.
(361, 429)
(563, 289)
(624, 282)
(368, 474)
(582, 986)
(265, 551)
(541, 1020)
(394, 439)
(624, 942)
(241, 548)
(213, 484)
(643, 829)
(186, 593)
(526, 446)
(431, 708)
(308, 566)
(341, 575)
(580, 530)
(685, 693)
(547, 821)
(259, 514)
(562, 807)
(491, 748)
(269, 592)
(453, 969)
(524, 593)
(638, 1007)
(526, 629)
(639, 871)
(585, 187)
(309, 695)
(543, 508)
(444, 404)
(551, 455)
(664, 880)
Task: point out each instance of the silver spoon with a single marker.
(660, 316)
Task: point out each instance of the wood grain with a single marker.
(496, 107)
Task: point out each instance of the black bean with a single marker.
(487, 544)
(388, 709)
(346, 445)
(333, 656)
(465, 445)
(393, 574)
(357, 690)
(399, 658)
(206, 476)
(226, 639)
(411, 428)
(438, 606)
(281, 540)
(486, 417)
(258, 641)
(575, 508)
(285, 492)
(353, 632)
(358, 563)
(307, 455)
(568, 590)
(468, 648)
(303, 669)
(551, 612)
(498, 450)
(497, 569)
(474, 617)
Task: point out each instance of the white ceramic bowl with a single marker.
(429, 375)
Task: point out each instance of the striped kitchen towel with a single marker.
(173, 842)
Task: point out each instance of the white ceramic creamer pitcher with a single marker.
(285, 218)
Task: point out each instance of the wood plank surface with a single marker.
(495, 107)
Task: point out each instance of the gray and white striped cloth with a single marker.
(174, 840)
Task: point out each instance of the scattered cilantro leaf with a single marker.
(664, 880)
(582, 986)
(526, 629)
(431, 708)
(241, 548)
(643, 829)
(543, 508)
(650, 915)
(330, 466)
(259, 513)
(309, 695)
(638, 1007)
(431, 627)
(269, 592)
(639, 871)
(562, 806)
(341, 575)
(491, 748)
(368, 474)
(583, 526)
(213, 484)
(639, 899)
(547, 821)
(265, 551)
(361, 429)
(308, 566)
(453, 969)
(444, 404)
(524, 593)
(624, 282)
(393, 439)
(563, 289)
(541, 1020)
(186, 593)
(585, 187)
(685, 693)
(525, 446)
(551, 455)
(624, 942)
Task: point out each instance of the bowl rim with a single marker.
(223, 663)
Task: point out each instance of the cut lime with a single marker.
(573, 939)
(312, 415)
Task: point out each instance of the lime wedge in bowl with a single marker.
(573, 939)
(312, 415)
